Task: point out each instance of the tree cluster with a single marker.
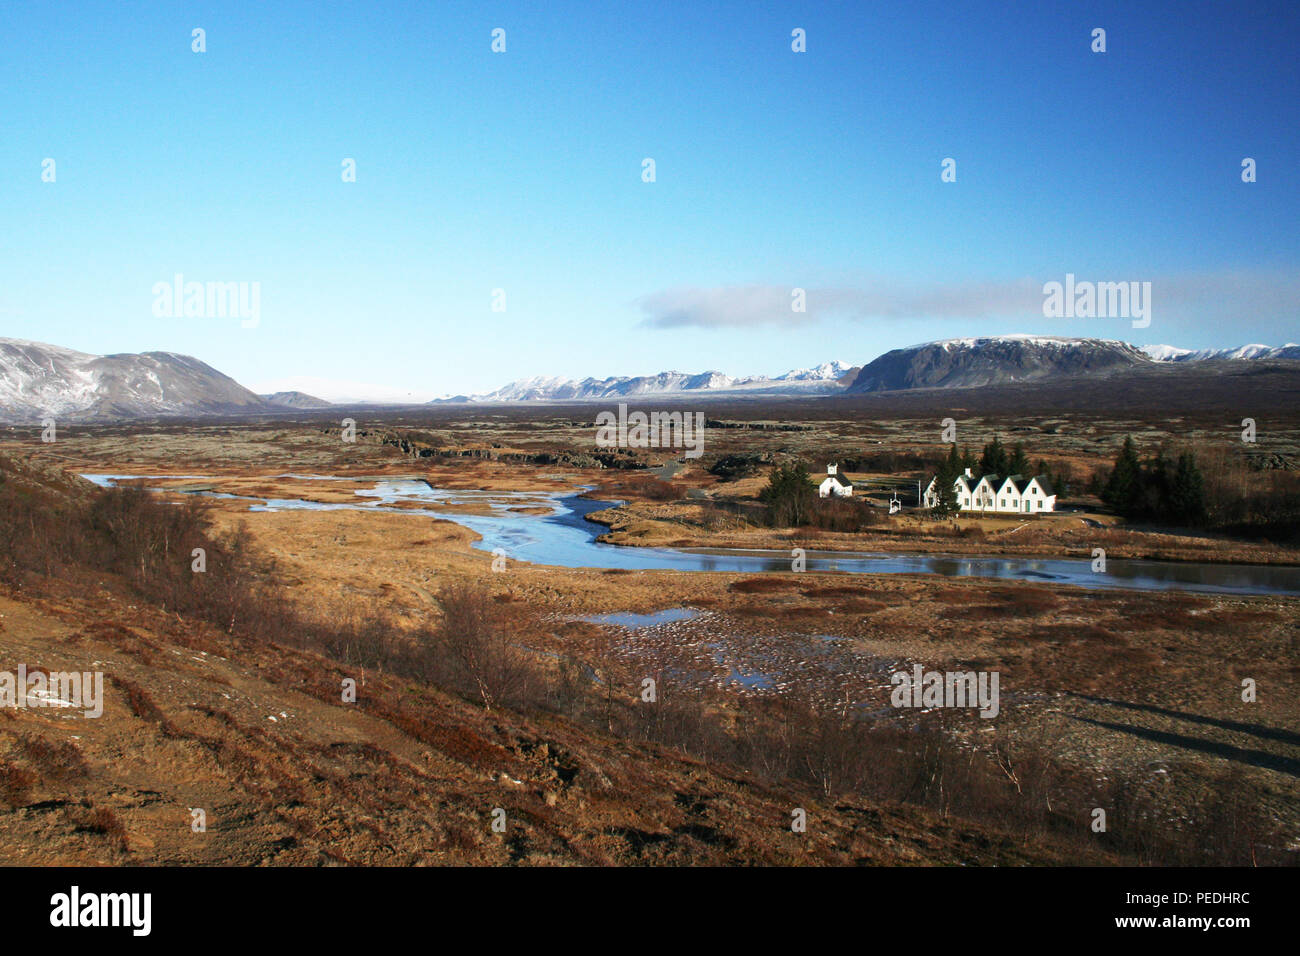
(1158, 489)
(789, 495)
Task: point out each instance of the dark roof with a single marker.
(1021, 483)
(996, 481)
(972, 482)
(840, 480)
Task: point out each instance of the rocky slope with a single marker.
(39, 381)
(962, 363)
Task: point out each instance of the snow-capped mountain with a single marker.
(994, 360)
(1171, 353)
(39, 381)
(823, 379)
(1165, 353)
(827, 371)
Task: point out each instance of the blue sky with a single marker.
(522, 171)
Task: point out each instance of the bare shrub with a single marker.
(56, 760)
(761, 585)
(104, 822)
(475, 649)
(143, 706)
(844, 515)
(658, 490)
(15, 783)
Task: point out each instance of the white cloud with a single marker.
(1254, 294)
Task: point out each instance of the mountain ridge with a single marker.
(39, 380)
(993, 360)
(821, 378)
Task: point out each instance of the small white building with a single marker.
(1014, 494)
(835, 485)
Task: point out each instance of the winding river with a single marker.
(564, 537)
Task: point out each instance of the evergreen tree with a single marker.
(945, 493)
(954, 461)
(1187, 492)
(789, 495)
(994, 459)
(1018, 464)
(1154, 487)
(1124, 486)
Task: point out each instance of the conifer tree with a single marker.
(994, 459)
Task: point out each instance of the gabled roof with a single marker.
(840, 480)
(1021, 482)
(1045, 484)
(971, 483)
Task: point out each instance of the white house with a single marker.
(1014, 494)
(835, 485)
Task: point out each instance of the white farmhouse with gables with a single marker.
(835, 485)
(1014, 494)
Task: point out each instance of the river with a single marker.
(565, 538)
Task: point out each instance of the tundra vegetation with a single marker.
(483, 649)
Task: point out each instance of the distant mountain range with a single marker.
(39, 380)
(827, 378)
(1171, 353)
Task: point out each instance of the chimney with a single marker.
(832, 469)
(968, 474)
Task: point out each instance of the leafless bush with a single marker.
(15, 783)
(845, 515)
(102, 821)
(55, 760)
(476, 650)
(658, 490)
(142, 705)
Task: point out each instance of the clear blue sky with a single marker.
(522, 171)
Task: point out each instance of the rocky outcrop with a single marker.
(415, 448)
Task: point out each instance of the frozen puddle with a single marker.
(633, 621)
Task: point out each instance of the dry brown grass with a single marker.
(52, 759)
